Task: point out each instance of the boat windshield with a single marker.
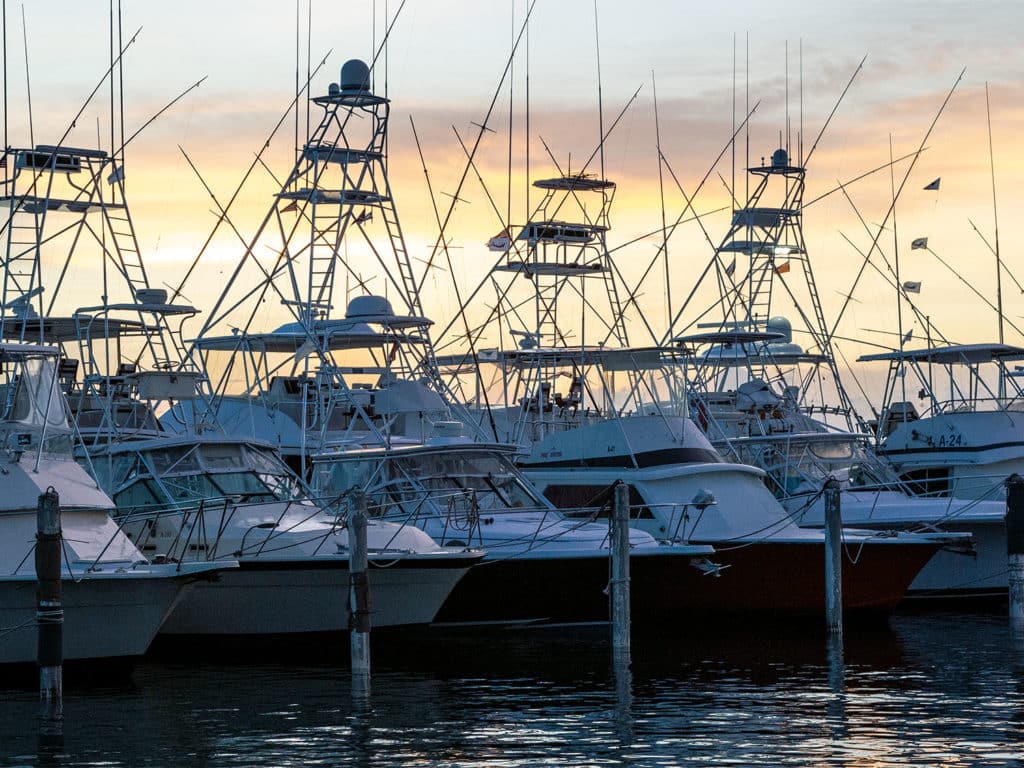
(484, 480)
(32, 409)
(802, 466)
(184, 475)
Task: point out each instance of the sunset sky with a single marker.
(445, 59)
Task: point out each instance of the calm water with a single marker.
(929, 690)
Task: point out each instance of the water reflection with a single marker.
(928, 690)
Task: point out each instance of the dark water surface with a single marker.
(928, 690)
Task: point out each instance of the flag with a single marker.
(116, 176)
(912, 286)
(292, 206)
(908, 336)
(731, 268)
(364, 217)
(782, 268)
(935, 184)
(500, 242)
(3, 161)
(921, 242)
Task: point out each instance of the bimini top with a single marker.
(962, 354)
(729, 337)
(293, 337)
(351, 332)
(575, 183)
(11, 350)
(739, 347)
(56, 330)
(611, 359)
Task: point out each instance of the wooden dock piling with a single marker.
(619, 540)
(1015, 549)
(49, 605)
(359, 595)
(833, 557)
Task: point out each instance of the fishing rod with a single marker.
(689, 207)
(906, 176)
(479, 138)
(835, 108)
(67, 131)
(992, 250)
(245, 178)
(213, 317)
(451, 270)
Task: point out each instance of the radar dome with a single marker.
(151, 296)
(368, 306)
(780, 158)
(783, 326)
(355, 76)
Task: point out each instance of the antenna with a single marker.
(787, 98)
(28, 80)
(995, 216)
(298, 26)
(600, 107)
(896, 257)
(800, 133)
(5, 82)
(732, 190)
(309, 54)
(120, 87)
(511, 126)
(526, 135)
(661, 192)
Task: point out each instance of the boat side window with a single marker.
(928, 482)
(833, 451)
(265, 462)
(174, 459)
(193, 487)
(114, 472)
(510, 492)
(588, 500)
(227, 456)
(334, 477)
(138, 496)
(245, 484)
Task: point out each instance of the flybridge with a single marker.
(46, 157)
(559, 232)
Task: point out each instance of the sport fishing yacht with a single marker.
(333, 393)
(125, 361)
(764, 400)
(114, 599)
(587, 409)
(967, 438)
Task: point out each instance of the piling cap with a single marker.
(355, 76)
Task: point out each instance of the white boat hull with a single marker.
(279, 597)
(113, 617)
(952, 572)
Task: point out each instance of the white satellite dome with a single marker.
(355, 76)
(368, 306)
(782, 326)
